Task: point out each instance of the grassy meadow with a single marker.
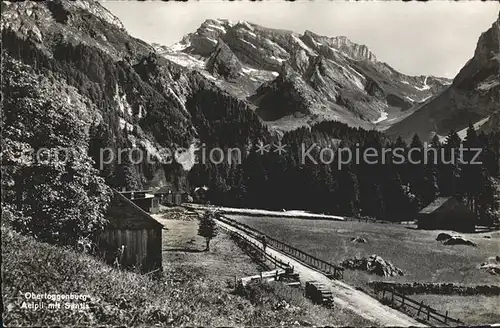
(416, 252)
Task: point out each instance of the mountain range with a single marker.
(296, 79)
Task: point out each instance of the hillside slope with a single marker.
(139, 99)
(187, 296)
(474, 96)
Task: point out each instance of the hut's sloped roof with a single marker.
(165, 190)
(435, 205)
(124, 214)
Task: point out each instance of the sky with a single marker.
(432, 38)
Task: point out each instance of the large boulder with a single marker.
(492, 265)
(443, 236)
(458, 240)
(373, 264)
(358, 239)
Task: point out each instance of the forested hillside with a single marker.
(393, 189)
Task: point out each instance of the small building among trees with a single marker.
(169, 197)
(145, 199)
(447, 213)
(132, 238)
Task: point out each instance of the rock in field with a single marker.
(373, 264)
(443, 236)
(457, 240)
(492, 265)
(360, 240)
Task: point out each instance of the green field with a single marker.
(473, 310)
(416, 252)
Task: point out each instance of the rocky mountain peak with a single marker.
(488, 45)
(474, 95)
(224, 62)
(339, 43)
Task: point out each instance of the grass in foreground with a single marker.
(185, 297)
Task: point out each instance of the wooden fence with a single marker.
(258, 249)
(330, 270)
(402, 302)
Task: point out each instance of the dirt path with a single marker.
(298, 214)
(344, 295)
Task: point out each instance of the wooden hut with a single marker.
(145, 199)
(132, 237)
(447, 213)
(171, 197)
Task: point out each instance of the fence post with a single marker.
(392, 298)
(445, 317)
(428, 312)
(420, 308)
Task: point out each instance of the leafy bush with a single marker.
(47, 175)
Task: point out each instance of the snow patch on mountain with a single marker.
(425, 99)
(187, 157)
(277, 59)
(383, 116)
(246, 25)
(425, 87)
(221, 28)
(249, 43)
(463, 133)
(186, 60)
